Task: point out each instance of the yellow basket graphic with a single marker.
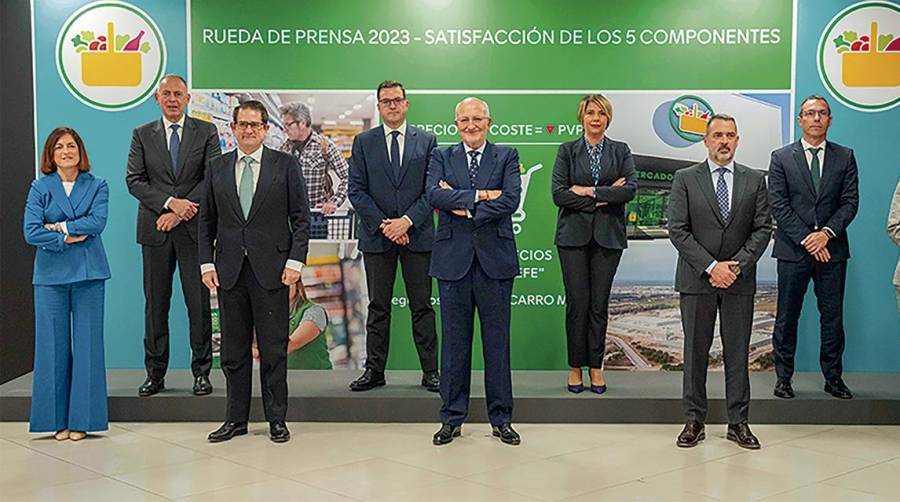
(690, 122)
(871, 69)
(111, 68)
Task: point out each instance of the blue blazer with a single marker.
(488, 234)
(376, 193)
(84, 212)
(799, 209)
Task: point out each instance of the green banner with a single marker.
(469, 44)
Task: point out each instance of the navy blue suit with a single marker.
(378, 192)
(69, 389)
(474, 260)
(799, 209)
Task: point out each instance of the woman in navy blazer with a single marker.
(593, 178)
(64, 216)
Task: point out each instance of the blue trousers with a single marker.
(69, 390)
(459, 299)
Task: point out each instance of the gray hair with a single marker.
(297, 111)
(487, 109)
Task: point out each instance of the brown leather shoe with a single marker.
(691, 435)
(740, 434)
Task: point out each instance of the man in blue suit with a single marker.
(814, 192)
(476, 186)
(387, 190)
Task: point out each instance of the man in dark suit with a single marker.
(720, 224)
(166, 167)
(387, 190)
(476, 186)
(253, 241)
(814, 189)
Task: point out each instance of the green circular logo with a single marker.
(859, 56)
(688, 116)
(110, 55)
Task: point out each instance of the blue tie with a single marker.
(174, 144)
(395, 153)
(473, 166)
(245, 192)
(722, 193)
(596, 155)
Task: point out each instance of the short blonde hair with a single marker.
(598, 99)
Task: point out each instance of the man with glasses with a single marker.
(253, 240)
(317, 155)
(476, 186)
(167, 164)
(387, 190)
(813, 187)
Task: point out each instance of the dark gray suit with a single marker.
(701, 236)
(152, 180)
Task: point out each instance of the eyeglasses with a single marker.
(289, 124)
(472, 120)
(249, 125)
(391, 102)
(812, 113)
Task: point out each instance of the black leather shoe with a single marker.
(202, 387)
(838, 389)
(740, 434)
(691, 435)
(151, 386)
(506, 434)
(368, 380)
(783, 389)
(278, 432)
(227, 431)
(431, 381)
(446, 434)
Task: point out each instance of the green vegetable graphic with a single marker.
(884, 40)
(145, 47)
(840, 43)
(121, 40)
(850, 36)
(87, 36)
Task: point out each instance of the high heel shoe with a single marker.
(598, 389)
(575, 389)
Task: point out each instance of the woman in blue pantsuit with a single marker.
(64, 216)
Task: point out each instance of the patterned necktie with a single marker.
(473, 166)
(174, 145)
(395, 153)
(596, 155)
(814, 166)
(722, 193)
(245, 192)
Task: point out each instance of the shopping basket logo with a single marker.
(110, 55)
(859, 56)
(688, 116)
(519, 216)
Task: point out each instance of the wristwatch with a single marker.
(735, 269)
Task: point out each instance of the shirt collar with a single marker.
(169, 124)
(713, 166)
(480, 149)
(807, 146)
(256, 156)
(402, 129)
(590, 147)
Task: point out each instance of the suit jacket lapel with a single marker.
(266, 178)
(409, 144)
(704, 179)
(79, 190)
(829, 169)
(382, 151)
(228, 162)
(606, 160)
(459, 165)
(59, 195)
(582, 162)
(803, 167)
(738, 187)
(486, 166)
(162, 149)
(187, 136)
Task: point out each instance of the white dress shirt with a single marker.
(255, 166)
(167, 127)
(821, 155)
(729, 182)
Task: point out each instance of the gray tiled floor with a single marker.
(396, 462)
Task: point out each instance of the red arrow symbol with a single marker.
(550, 129)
